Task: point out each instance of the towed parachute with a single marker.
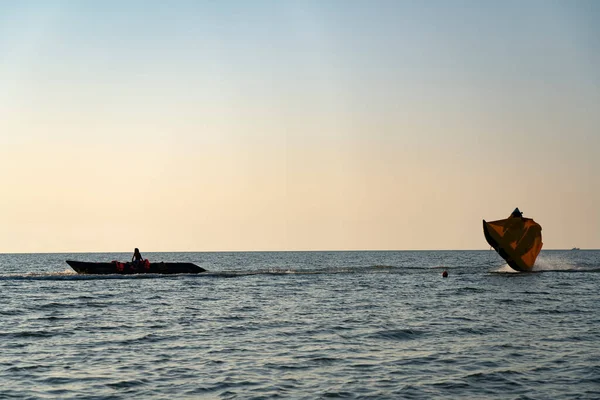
(516, 239)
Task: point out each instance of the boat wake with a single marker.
(72, 275)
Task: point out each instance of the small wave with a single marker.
(541, 311)
(515, 301)
(324, 360)
(505, 377)
(396, 334)
(25, 368)
(474, 331)
(54, 305)
(470, 289)
(449, 385)
(128, 383)
(34, 334)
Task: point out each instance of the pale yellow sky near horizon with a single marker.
(297, 127)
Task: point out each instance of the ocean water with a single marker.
(303, 325)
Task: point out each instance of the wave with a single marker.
(72, 275)
(396, 334)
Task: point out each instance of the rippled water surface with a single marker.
(303, 325)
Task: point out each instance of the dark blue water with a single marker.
(303, 325)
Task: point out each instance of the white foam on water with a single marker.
(506, 269)
(545, 263)
(553, 263)
(67, 272)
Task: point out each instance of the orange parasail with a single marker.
(518, 240)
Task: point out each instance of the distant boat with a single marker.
(146, 267)
(516, 239)
(575, 248)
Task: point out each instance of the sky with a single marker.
(296, 125)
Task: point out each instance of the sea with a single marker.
(303, 325)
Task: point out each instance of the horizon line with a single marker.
(276, 251)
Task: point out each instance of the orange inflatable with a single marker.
(517, 240)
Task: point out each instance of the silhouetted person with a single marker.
(516, 213)
(137, 257)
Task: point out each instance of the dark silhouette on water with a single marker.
(116, 267)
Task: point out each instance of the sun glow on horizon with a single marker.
(296, 125)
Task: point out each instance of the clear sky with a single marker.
(296, 125)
